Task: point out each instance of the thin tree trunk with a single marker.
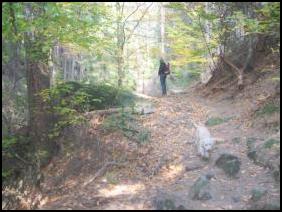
(162, 26)
(120, 44)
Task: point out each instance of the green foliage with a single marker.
(216, 121)
(268, 109)
(86, 97)
(112, 178)
(269, 143)
(257, 194)
(68, 99)
(267, 20)
(188, 41)
(12, 146)
(77, 23)
(6, 174)
(197, 29)
(9, 142)
(270, 18)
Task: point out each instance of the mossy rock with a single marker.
(166, 204)
(229, 163)
(199, 189)
(257, 194)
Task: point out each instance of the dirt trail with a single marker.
(168, 166)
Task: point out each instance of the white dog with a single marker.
(204, 141)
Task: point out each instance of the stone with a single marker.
(265, 206)
(252, 155)
(236, 140)
(257, 194)
(210, 175)
(205, 196)
(252, 152)
(229, 163)
(198, 190)
(166, 204)
(276, 175)
(181, 207)
(236, 199)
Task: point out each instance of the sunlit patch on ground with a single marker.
(173, 171)
(122, 189)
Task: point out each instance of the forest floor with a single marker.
(160, 174)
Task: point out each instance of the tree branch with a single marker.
(128, 37)
(130, 15)
(102, 171)
(202, 30)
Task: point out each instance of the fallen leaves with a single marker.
(162, 162)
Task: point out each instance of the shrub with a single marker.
(215, 121)
(68, 99)
(268, 109)
(269, 143)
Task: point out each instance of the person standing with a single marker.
(163, 72)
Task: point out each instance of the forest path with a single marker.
(162, 171)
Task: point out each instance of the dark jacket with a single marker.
(162, 67)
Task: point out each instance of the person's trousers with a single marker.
(163, 83)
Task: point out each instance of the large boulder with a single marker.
(229, 163)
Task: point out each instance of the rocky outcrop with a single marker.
(265, 153)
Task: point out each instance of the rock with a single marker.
(229, 163)
(205, 196)
(210, 175)
(257, 194)
(271, 206)
(181, 207)
(276, 175)
(252, 155)
(199, 189)
(265, 206)
(166, 204)
(236, 140)
(236, 199)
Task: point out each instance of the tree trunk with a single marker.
(162, 26)
(120, 44)
(38, 78)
